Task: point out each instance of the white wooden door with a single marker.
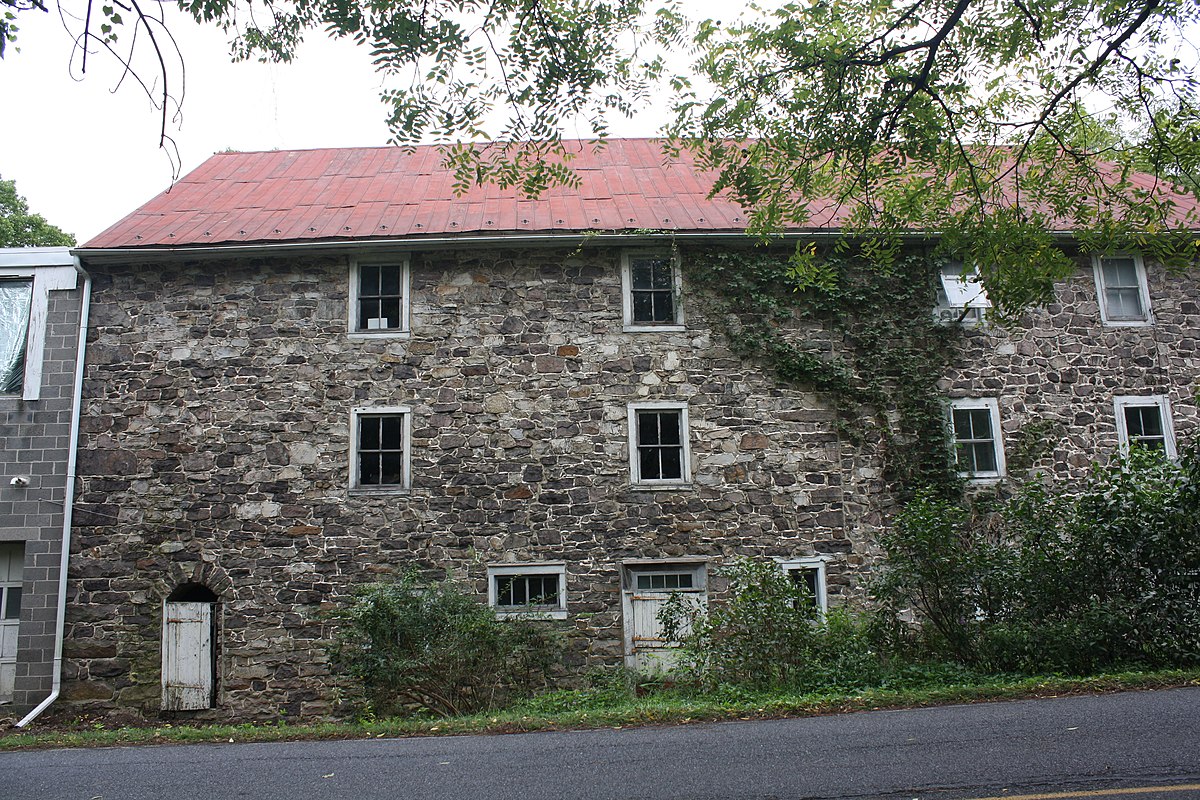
(648, 650)
(187, 668)
(12, 562)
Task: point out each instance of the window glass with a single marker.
(15, 299)
(380, 296)
(1122, 287)
(12, 602)
(961, 296)
(527, 590)
(975, 441)
(380, 450)
(1143, 425)
(660, 445)
(665, 581)
(652, 285)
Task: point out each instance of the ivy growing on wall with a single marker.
(856, 328)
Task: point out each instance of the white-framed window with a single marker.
(659, 455)
(961, 296)
(379, 449)
(1145, 421)
(529, 590)
(27, 276)
(650, 289)
(1122, 289)
(379, 298)
(978, 446)
(16, 298)
(810, 573)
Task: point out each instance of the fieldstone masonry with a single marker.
(216, 442)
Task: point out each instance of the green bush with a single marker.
(413, 646)
(1057, 581)
(766, 634)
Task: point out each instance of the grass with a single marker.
(611, 708)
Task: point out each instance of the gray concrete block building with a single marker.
(42, 301)
(308, 370)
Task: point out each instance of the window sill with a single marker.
(1127, 323)
(981, 480)
(386, 334)
(661, 487)
(521, 614)
(379, 491)
(653, 328)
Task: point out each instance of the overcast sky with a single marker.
(84, 156)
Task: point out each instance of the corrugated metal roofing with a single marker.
(391, 192)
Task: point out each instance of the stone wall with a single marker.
(216, 446)
(1057, 373)
(216, 441)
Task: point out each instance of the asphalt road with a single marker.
(1142, 745)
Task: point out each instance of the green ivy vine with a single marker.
(853, 326)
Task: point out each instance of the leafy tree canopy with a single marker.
(20, 228)
(988, 123)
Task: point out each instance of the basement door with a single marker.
(647, 588)
(187, 668)
(12, 562)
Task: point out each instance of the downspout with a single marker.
(68, 503)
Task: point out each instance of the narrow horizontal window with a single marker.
(538, 590)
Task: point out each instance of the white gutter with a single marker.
(68, 503)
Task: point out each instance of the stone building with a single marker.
(311, 370)
(42, 298)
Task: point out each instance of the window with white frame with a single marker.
(27, 276)
(1122, 290)
(651, 286)
(379, 449)
(538, 590)
(978, 447)
(1146, 422)
(658, 444)
(379, 298)
(810, 574)
(961, 296)
(16, 297)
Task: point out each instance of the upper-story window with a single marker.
(379, 303)
(16, 297)
(961, 295)
(1145, 421)
(658, 444)
(978, 448)
(1122, 290)
(379, 449)
(651, 286)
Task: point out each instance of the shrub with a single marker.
(766, 634)
(411, 645)
(1066, 582)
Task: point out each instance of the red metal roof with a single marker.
(391, 192)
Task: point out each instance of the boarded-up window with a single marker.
(187, 668)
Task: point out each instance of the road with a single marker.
(1142, 745)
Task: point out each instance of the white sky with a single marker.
(84, 156)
